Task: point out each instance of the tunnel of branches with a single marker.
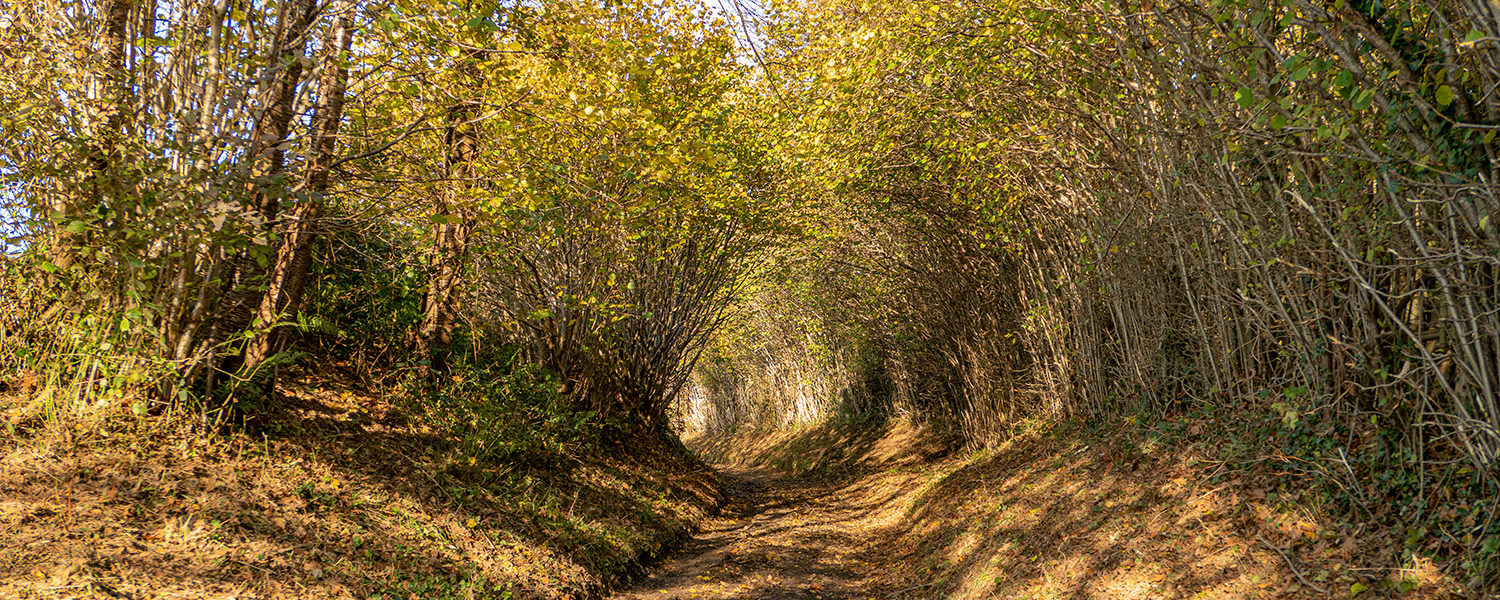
(692, 217)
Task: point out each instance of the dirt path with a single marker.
(779, 537)
(1115, 516)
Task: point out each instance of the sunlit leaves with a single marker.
(1245, 97)
(1444, 95)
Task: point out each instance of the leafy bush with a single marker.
(367, 299)
(501, 411)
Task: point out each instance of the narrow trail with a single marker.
(779, 537)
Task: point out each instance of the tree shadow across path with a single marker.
(1061, 513)
(780, 537)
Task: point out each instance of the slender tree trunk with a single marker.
(268, 149)
(289, 275)
(111, 99)
(450, 243)
(240, 293)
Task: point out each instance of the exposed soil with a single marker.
(779, 537)
(350, 502)
(879, 512)
(806, 518)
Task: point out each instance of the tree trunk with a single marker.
(451, 241)
(289, 275)
(111, 94)
(241, 294)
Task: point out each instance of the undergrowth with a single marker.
(1362, 474)
(1202, 503)
(487, 484)
(506, 412)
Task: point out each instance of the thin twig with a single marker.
(1291, 566)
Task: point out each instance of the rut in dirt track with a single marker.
(779, 537)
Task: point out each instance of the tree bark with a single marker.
(289, 275)
(450, 239)
(110, 98)
(241, 294)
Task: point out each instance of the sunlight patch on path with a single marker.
(782, 537)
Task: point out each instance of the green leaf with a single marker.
(1444, 95)
(1245, 97)
(1357, 589)
(1344, 79)
(1474, 36)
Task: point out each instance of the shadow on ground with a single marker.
(854, 511)
(840, 450)
(340, 497)
(780, 536)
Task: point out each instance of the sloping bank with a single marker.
(339, 496)
(1065, 511)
